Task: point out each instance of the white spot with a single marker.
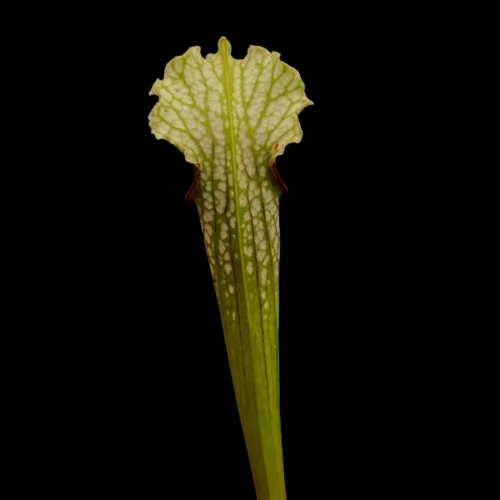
(220, 196)
(295, 95)
(248, 250)
(228, 268)
(208, 229)
(223, 230)
(249, 268)
(222, 247)
(208, 216)
(231, 289)
(243, 182)
(273, 121)
(260, 255)
(243, 134)
(276, 90)
(256, 206)
(261, 137)
(263, 276)
(219, 172)
(232, 222)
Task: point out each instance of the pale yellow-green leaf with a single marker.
(231, 118)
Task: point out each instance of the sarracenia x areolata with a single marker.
(231, 118)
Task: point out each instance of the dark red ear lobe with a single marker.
(196, 180)
(277, 176)
(197, 174)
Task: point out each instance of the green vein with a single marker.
(228, 89)
(261, 196)
(268, 97)
(227, 86)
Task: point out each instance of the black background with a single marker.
(141, 376)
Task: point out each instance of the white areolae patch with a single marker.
(263, 276)
(220, 201)
(256, 207)
(224, 230)
(193, 114)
